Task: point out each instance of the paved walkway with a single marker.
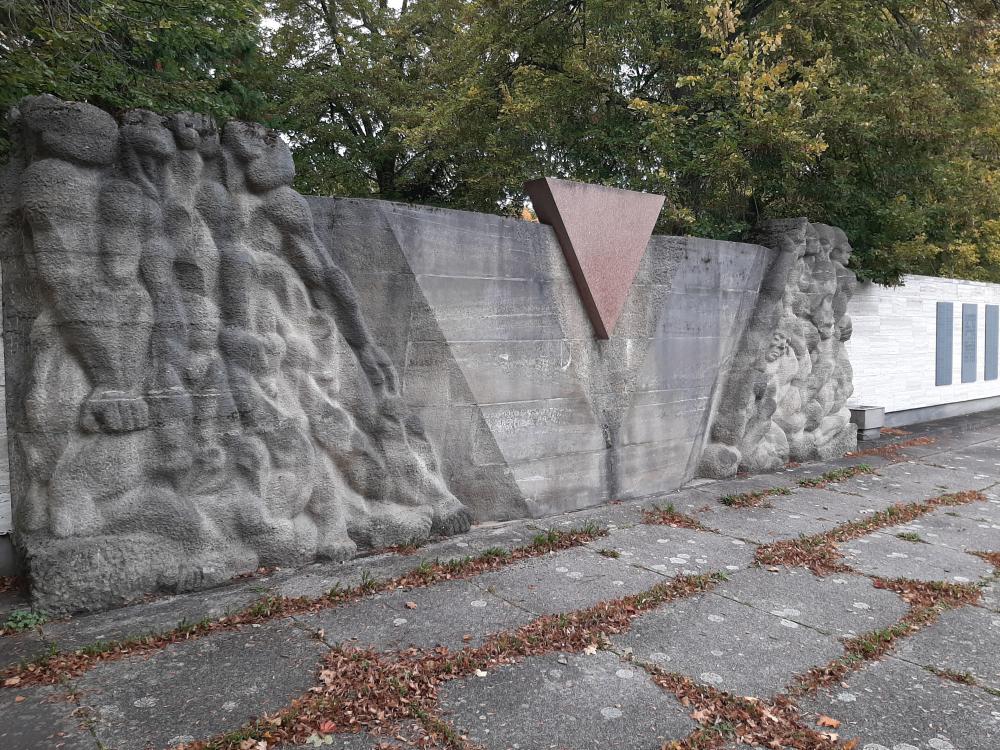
(699, 625)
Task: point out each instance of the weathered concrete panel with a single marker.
(497, 334)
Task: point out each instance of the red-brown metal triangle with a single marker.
(603, 233)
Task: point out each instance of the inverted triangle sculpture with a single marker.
(603, 233)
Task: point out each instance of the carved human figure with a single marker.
(266, 166)
(87, 255)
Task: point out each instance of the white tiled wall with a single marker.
(892, 350)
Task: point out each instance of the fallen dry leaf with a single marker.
(826, 721)
(19, 699)
(411, 605)
(702, 715)
(590, 650)
(12, 681)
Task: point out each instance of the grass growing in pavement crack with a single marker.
(819, 552)
(835, 475)
(910, 536)
(377, 693)
(963, 678)
(670, 516)
(755, 499)
(53, 668)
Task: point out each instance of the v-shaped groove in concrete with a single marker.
(603, 233)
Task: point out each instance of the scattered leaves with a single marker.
(819, 552)
(755, 499)
(56, 667)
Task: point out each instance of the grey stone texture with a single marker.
(42, 718)
(454, 614)
(565, 701)
(193, 390)
(728, 645)
(845, 605)
(675, 551)
(965, 641)
(230, 678)
(208, 373)
(566, 581)
(785, 395)
(888, 556)
(893, 705)
(531, 414)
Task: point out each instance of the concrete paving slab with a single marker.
(964, 640)
(41, 720)
(728, 645)
(672, 551)
(828, 504)
(621, 514)
(715, 490)
(910, 482)
(991, 597)
(157, 616)
(985, 512)
(565, 701)
(805, 511)
(197, 689)
(315, 580)
(566, 581)
(844, 604)
(22, 647)
(888, 556)
(508, 536)
(893, 705)
(946, 527)
(981, 459)
(442, 616)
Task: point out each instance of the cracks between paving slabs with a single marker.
(721, 716)
(54, 667)
(435, 723)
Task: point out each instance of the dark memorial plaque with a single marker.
(969, 348)
(992, 342)
(945, 341)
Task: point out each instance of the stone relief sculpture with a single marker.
(786, 393)
(192, 389)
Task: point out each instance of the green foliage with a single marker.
(22, 619)
(119, 54)
(878, 117)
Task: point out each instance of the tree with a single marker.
(118, 54)
(879, 117)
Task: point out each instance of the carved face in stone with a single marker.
(195, 131)
(268, 161)
(822, 317)
(777, 347)
(146, 133)
(146, 146)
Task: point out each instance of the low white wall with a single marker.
(893, 347)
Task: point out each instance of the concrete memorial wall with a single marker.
(207, 372)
